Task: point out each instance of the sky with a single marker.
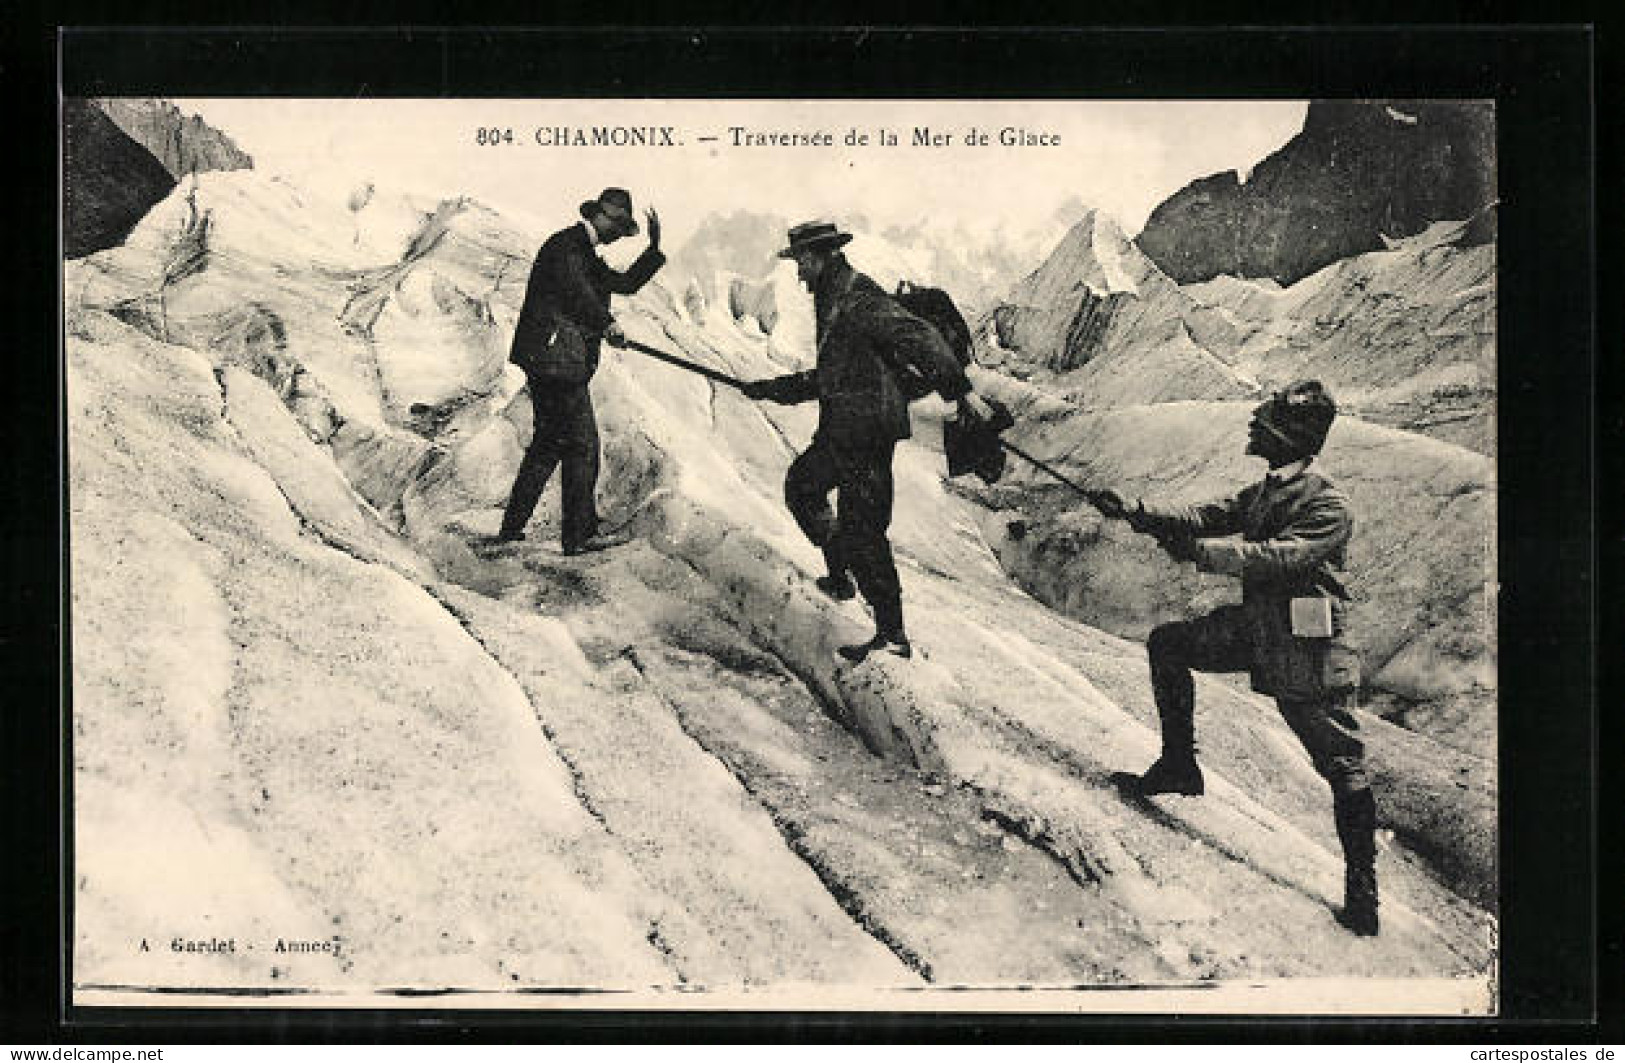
(1121, 157)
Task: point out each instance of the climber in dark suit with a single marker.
(564, 317)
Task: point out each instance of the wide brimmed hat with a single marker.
(810, 235)
(618, 198)
(1300, 415)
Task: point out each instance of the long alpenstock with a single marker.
(684, 363)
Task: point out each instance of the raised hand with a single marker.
(652, 221)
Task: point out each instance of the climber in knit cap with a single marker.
(1286, 539)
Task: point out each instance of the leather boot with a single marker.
(1356, 815)
(837, 587)
(1173, 773)
(1176, 771)
(595, 542)
(838, 584)
(895, 643)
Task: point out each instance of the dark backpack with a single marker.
(935, 306)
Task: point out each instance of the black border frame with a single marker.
(1542, 78)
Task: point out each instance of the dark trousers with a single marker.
(853, 535)
(566, 431)
(1221, 641)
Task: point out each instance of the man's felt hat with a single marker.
(814, 235)
(618, 198)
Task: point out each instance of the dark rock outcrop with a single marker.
(1359, 171)
(183, 143)
(109, 181)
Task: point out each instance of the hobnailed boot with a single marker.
(1176, 771)
(836, 586)
(1173, 773)
(895, 643)
(1356, 815)
(596, 542)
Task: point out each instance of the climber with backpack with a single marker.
(873, 357)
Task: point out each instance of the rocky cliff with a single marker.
(109, 181)
(1358, 172)
(311, 692)
(183, 143)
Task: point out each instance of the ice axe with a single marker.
(975, 447)
(1088, 493)
(683, 363)
(967, 446)
(979, 447)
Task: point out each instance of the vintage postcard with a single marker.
(783, 554)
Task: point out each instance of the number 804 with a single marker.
(493, 135)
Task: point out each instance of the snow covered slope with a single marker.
(313, 696)
(1405, 336)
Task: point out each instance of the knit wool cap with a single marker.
(1300, 416)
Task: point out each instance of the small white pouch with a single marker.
(1312, 618)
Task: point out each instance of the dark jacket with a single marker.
(570, 287)
(1294, 543)
(865, 341)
